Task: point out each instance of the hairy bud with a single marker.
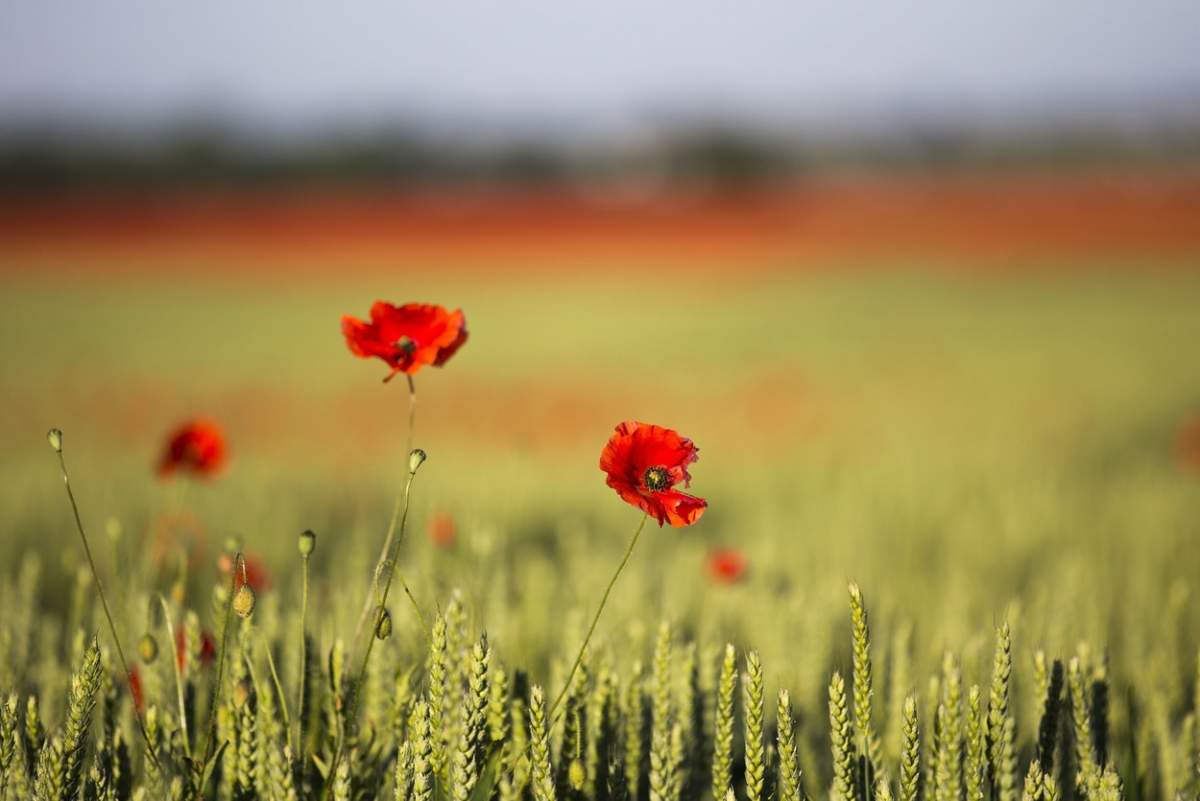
(243, 601)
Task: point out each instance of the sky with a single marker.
(298, 60)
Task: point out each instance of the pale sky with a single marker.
(282, 59)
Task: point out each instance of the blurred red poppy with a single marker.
(726, 565)
(442, 530)
(1187, 444)
(135, 690)
(196, 447)
(257, 575)
(208, 649)
(644, 463)
(407, 337)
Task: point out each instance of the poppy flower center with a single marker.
(405, 344)
(657, 478)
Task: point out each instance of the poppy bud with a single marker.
(383, 624)
(54, 436)
(233, 544)
(243, 601)
(308, 543)
(575, 775)
(415, 459)
(148, 648)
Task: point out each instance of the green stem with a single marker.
(303, 659)
(591, 630)
(283, 704)
(356, 686)
(391, 530)
(183, 723)
(238, 559)
(112, 627)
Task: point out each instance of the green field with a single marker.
(970, 450)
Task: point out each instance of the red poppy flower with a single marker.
(257, 575)
(407, 337)
(135, 690)
(726, 565)
(644, 463)
(442, 530)
(196, 447)
(1187, 444)
(208, 649)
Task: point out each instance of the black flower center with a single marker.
(405, 344)
(657, 478)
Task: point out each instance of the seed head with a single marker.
(307, 543)
(241, 693)
(243, 601)
(576, 775)
(148, 648)
(54, 436)
(415, 459)
(383, 624)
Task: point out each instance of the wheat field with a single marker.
(963, 517)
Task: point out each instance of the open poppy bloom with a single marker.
(644, 463)
(407, 337)
(196, 447)
(726, 565)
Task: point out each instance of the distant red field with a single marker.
(993, 219)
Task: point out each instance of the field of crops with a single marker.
(949, 550)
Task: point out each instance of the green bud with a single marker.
(308, 543)
(383, 624)
(54, 436)
(415, 459)
(148, 648)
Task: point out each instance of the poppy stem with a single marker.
(112, 627)
(377, 574)
(591, 630)
(412, 410)
(355, 688)
(183, 721)
(303, 660)
(216, 696)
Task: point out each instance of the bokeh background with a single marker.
(921, 282)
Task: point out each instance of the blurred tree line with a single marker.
(722, 156)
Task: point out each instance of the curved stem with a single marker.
(391, 531)
(112, 627)
(283, 704)
(591, 630)
(238, 559)
(183, 721)
(356, 685)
